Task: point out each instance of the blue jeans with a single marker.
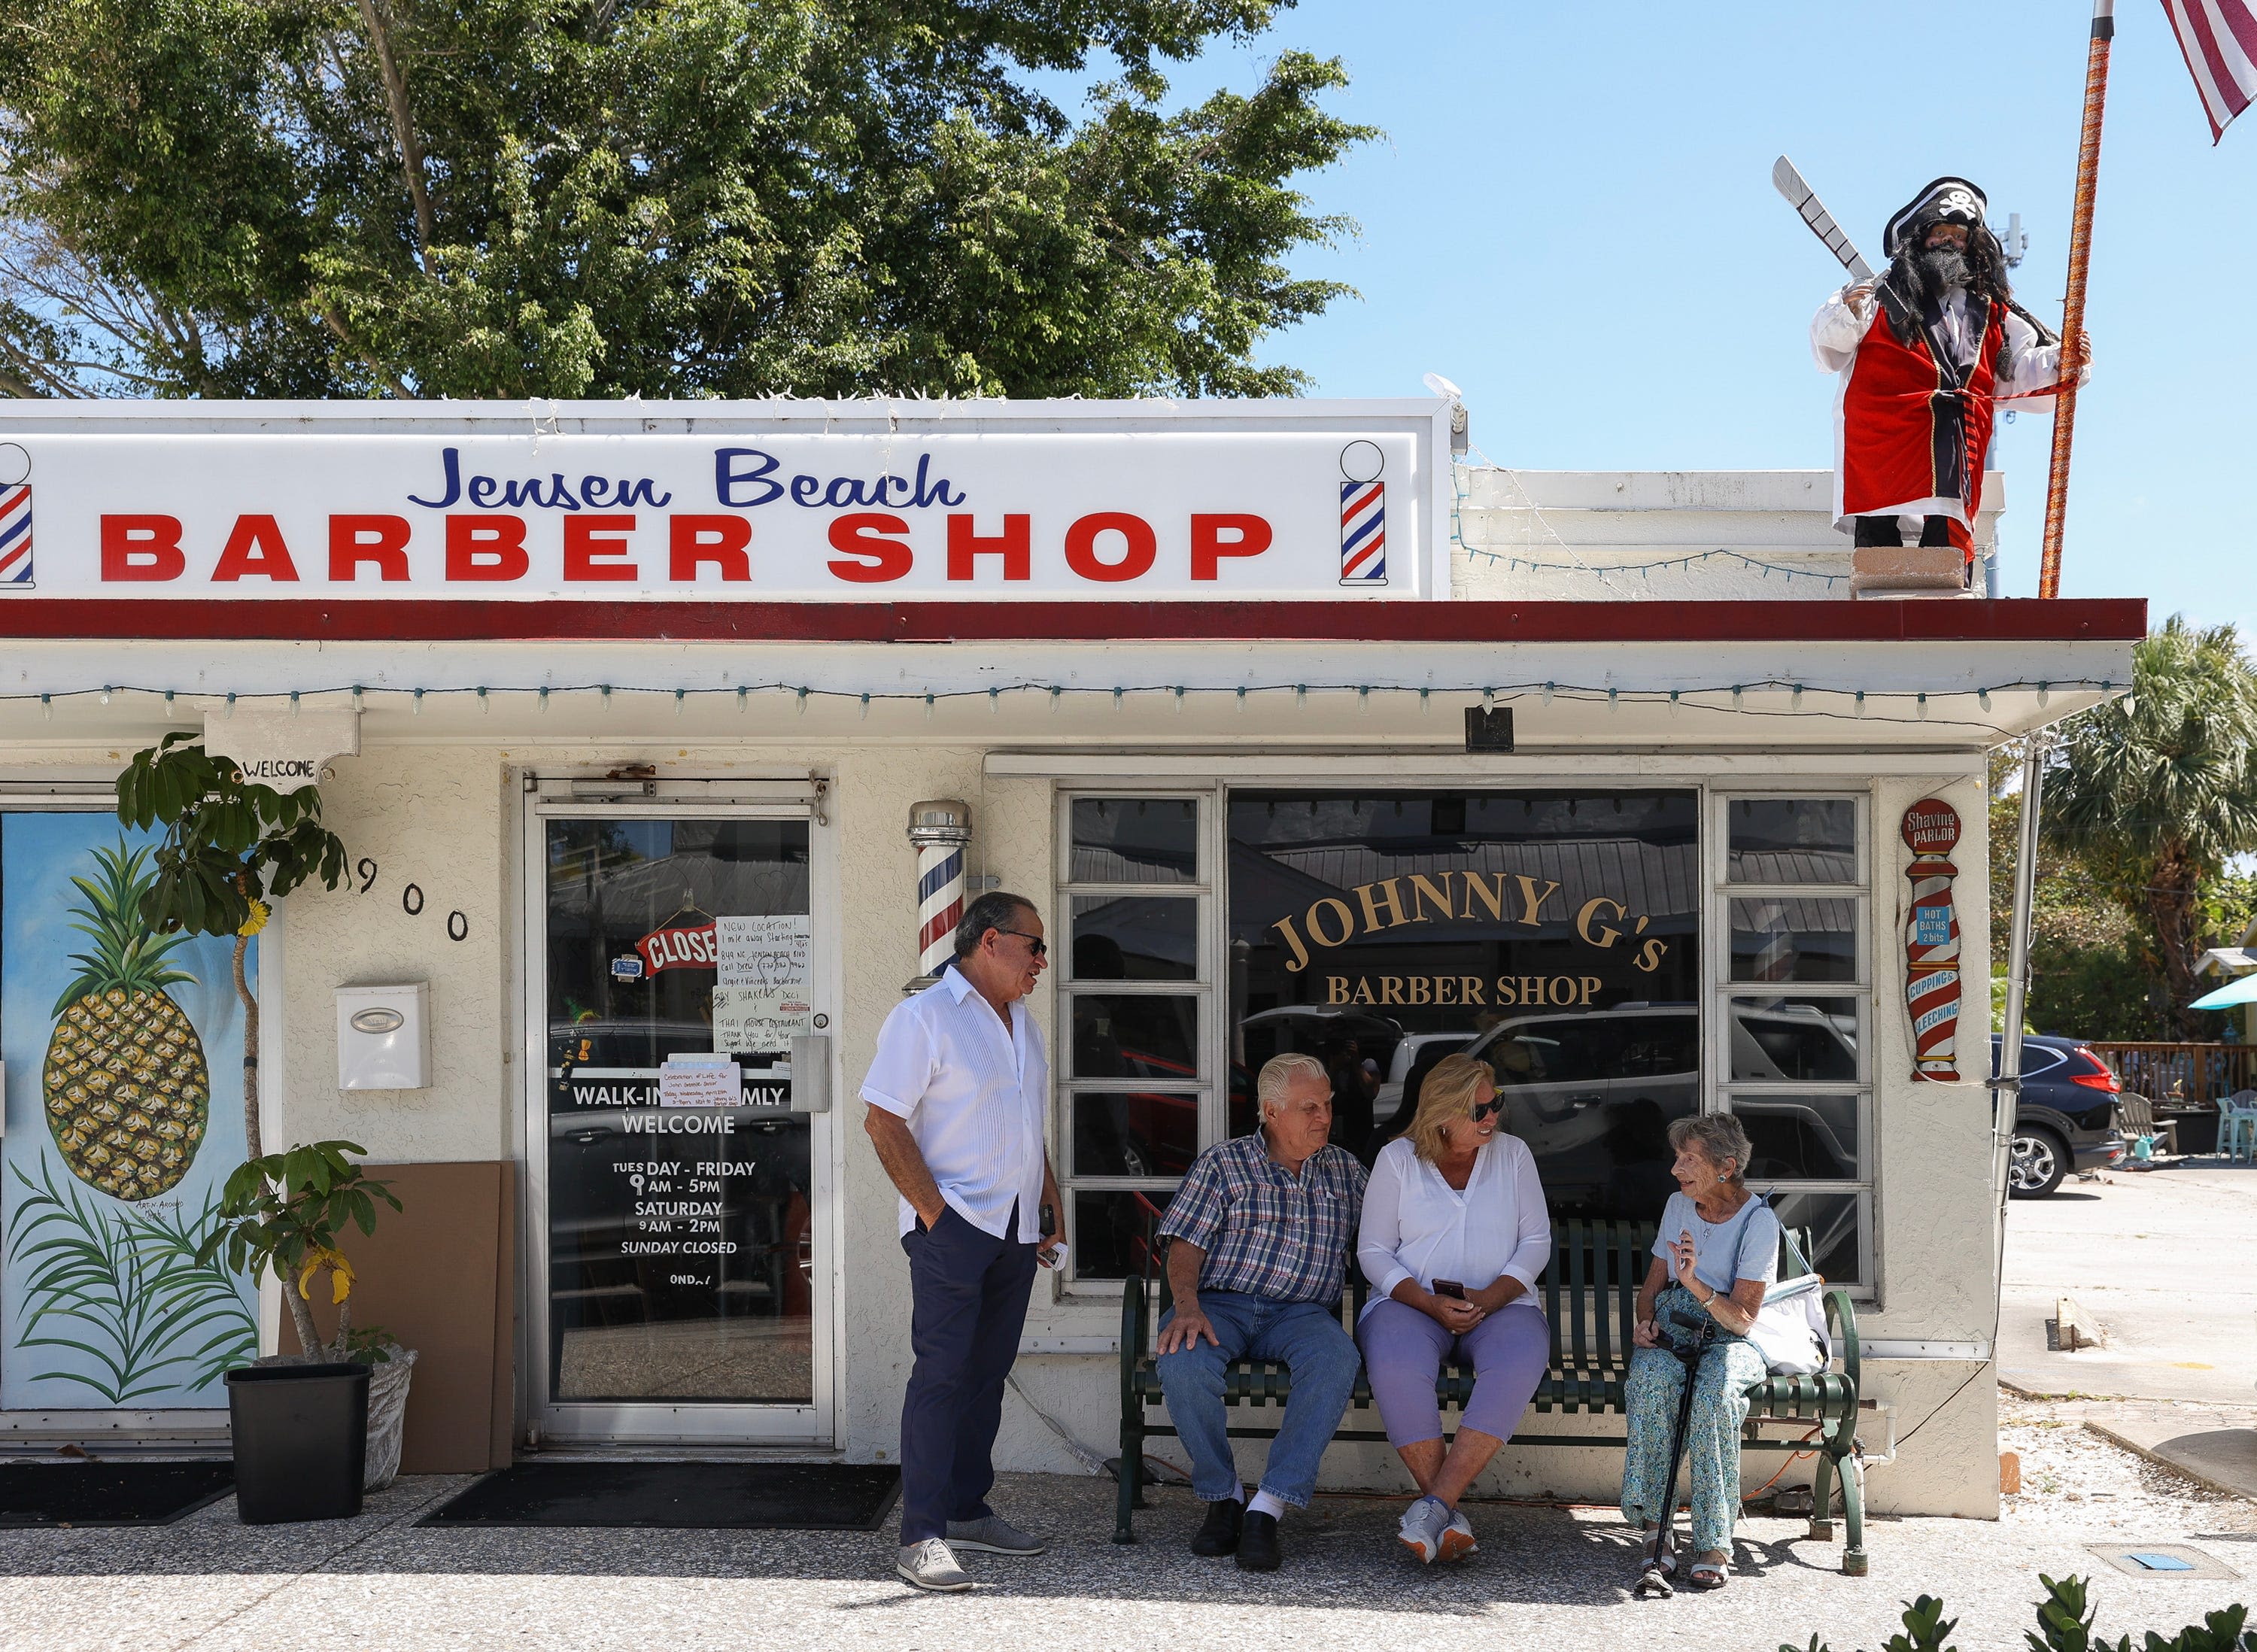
(1306, 1339)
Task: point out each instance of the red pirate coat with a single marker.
(1912, 417)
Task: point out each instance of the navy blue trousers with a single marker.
(968, 1292)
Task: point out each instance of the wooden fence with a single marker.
(2192, 1074)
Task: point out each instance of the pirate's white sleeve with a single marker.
(1834, 333)
(2029, 372)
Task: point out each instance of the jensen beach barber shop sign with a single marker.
(1231, 508)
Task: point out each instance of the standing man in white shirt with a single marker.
(958, 1092)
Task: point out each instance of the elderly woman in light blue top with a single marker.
(1455, 1233)
(1715, 1253)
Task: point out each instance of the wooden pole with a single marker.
(2072, 316)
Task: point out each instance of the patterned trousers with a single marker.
(1712, 1432)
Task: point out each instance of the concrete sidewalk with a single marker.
(2166, 1259)
(1546, 1577)
(2212, 1445)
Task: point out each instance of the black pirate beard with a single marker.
(1941, 268)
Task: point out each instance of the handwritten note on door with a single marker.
(768, 951)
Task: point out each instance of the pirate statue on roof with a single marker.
(1928, 351)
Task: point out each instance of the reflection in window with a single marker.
(1113, 1233)
(1794, 1039)
(1800, 1137)
(1144, 1133)
(1553, 933)
(1135, 840)
(1119, 1036)
(1135, 938)
(1792, 840)
(1832, 1219)
(1795, 938)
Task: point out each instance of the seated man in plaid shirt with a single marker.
(1259, 1236)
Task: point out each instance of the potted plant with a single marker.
(312, 1431)
(231, 847)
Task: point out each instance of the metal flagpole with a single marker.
(2072, 315)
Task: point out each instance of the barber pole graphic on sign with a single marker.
(1931, 831)
(1363, 515)
(14, 518)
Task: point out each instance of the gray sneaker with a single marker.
(1422, 1530)
(992, 1534)
(1458, 1538)
(930, 1565)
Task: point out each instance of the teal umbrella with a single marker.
(2241, 990)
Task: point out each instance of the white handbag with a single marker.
(1790, 1328)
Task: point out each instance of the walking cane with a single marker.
(1655, 1585)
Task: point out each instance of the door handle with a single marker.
(810, 1072)
(1585, 1101)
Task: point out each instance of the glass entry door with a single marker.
(681, 1191)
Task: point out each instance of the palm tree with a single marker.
(2159, 791)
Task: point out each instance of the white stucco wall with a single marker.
(449, 817)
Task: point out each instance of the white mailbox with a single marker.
(384, 1037)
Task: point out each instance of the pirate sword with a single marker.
(1804, 200)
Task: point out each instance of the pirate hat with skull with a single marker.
(1946, 201)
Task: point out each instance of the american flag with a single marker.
(2219, 39)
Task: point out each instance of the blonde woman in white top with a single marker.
(1454, 1235)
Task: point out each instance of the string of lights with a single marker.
(800, 695)
(1644, 570)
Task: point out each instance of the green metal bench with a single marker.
(1590, 1296)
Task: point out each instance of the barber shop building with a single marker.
(665, 740)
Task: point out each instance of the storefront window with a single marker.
(1134, 1008)
(1555, 935)
(1796, 1065)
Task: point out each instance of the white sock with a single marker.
(1266, 1503)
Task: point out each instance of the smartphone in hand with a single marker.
(1451, 1289)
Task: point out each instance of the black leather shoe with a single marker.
(1219, 1535)
(1257, 1544)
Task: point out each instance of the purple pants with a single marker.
(1403, 1354)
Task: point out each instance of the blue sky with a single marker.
(1572, 217)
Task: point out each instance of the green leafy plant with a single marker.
(2065, 1625)
(230, 848)
(131, 1289)
(701, 198)
(283, 1213)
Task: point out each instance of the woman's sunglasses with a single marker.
(1494, 1104)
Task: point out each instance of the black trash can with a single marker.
(300, 1441)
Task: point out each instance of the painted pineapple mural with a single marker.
(126, 1089)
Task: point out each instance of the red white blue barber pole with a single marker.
(1931, 831)
(940, 828)
(1363, 515)
(14, 518)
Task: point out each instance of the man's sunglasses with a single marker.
(1494, 1104)
(1036, 944)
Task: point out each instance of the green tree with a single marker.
(660, 198)
(2157, 793)
(2091, 974)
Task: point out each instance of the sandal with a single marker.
(1709, 1575)
(1668, 1564)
